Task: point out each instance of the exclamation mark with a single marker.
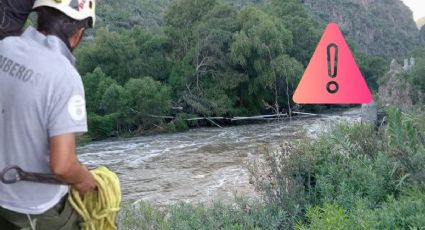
(332, 86)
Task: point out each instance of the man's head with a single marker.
(66, 19)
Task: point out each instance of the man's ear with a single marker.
(75, 39)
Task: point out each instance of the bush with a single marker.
(102, 126)
(181, 123)
(340, 167)
(407, 212)
(141, 216)
(240, 216)
(147, 98)
(328, 217)
(407, 145)
(352, 166)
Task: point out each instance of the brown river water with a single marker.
(200, 165)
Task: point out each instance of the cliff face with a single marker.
(398, 91)
(377, 27)
(144, 13)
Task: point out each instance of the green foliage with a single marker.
(202, 77)
(372, 69)
(126, 54)
(306, 32)
(146, 97)
(260, 50)
(329, 217)
(181, 19)
(129, 13)
(180, 122)
(96, 83)
(351, 177)
(143, 216)
(407, 212)
(113, 99)
(416, 77)
(407, 145)
(113, 108)
(241, 216)
(102, 126)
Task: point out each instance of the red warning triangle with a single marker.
(332, 77)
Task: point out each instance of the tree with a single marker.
(180, 19)
(202, 77)
(417, 76)
(95, 84)
(372, 69)
(258, 50)
(305, 31)
(114, 99)
(146, 98)
(126, 54)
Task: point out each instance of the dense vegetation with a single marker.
(147, 70)
(355, 177)
(417, 75)
(209, 58)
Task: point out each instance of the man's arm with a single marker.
(65, 166)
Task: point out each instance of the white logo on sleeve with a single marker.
(77, 107)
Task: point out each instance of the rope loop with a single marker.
(99, 209)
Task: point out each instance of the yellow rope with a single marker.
(99, 209)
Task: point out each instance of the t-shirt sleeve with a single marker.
(67, 110)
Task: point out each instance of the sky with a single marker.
(417, 6)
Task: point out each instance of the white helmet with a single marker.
(75, 9)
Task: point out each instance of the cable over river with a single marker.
(200, 165)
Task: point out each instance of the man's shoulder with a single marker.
(47, 62)
(16, 46)
(43, 59)
(44, 51)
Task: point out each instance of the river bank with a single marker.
(356, 176)
(199, 165)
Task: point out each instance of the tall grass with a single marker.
(240, 216)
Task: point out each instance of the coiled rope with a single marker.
(99, 209)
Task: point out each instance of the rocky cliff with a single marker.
(396, 89)
(145, 13)
(377, 27)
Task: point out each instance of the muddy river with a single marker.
(200, 165)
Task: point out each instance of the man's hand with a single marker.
(65, 165)
(87, 185)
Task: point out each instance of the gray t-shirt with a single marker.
(41, 96)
